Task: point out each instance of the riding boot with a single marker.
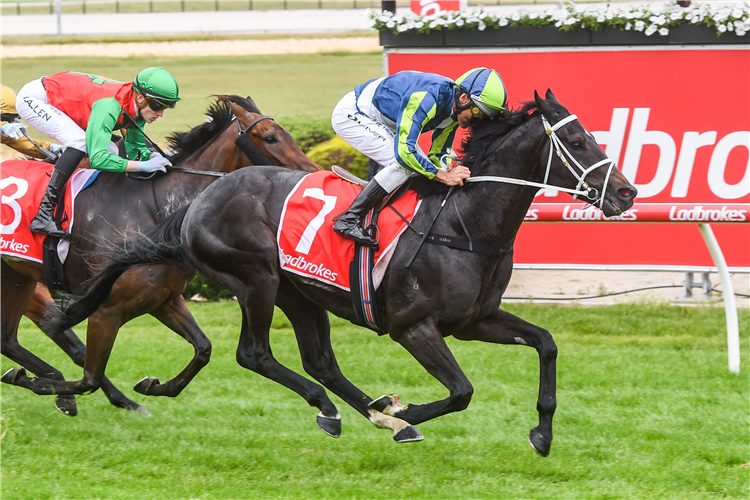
(349, 224)
(44, 222)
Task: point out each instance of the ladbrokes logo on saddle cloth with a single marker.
(23, 183)
(307, 244)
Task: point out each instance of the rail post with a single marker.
(58, 9)
(727, 291)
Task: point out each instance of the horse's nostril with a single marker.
(625, 192)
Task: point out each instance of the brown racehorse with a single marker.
(118, 203)
(229, 234)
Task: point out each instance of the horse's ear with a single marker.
(238, 110)
(550, 96)
(538, 100)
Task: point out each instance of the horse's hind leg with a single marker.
(69, 342)
(256, 288)
(313, 332)
(17, 291)
(175, 315)
(425, 342)
(505, 328)
(101, 333)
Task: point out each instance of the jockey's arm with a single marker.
(417, 109)
(103, 119)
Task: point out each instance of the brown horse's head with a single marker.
(273, 140)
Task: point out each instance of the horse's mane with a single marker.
(218, 117)
(481, 142)
(483, 136)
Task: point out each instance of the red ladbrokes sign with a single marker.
(676, 121)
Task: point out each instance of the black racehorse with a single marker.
(229, 233)
(235, 135)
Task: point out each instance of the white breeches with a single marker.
(370, 133)
(34, 108)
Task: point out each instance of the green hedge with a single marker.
(337, 152)
(307, 131)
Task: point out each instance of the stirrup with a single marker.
(357, 234)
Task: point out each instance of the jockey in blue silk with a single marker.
(383, 119)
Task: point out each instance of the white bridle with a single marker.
(592, 194)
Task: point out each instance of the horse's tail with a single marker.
(160, 245)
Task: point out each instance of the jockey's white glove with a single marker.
(55, 148)
(14, 129)
(157, 163)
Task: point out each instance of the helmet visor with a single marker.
(491, 112)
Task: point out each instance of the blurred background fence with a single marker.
(128, 6)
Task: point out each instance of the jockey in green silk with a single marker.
(81, 111)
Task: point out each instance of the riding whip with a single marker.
(49, 154)
(158, 150)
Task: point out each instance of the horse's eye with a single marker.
(270, 139)
(577, 145)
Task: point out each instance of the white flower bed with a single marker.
(650, 20)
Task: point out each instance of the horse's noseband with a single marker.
(591, 193)
(243, 131)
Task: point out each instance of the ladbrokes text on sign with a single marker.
(676, 119)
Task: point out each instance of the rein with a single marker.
(189, 170)
(591, 194)
(192, 170)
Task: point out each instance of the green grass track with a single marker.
(646, 410)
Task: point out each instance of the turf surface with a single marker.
(646, 409)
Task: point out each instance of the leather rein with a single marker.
(240, 131)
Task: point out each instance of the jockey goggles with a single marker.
(157, 105)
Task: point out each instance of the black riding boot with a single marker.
(349, 224)
(44, 222)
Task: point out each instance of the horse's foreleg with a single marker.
(69, 342)
(505, 328)
(425, 342)
(175, 315)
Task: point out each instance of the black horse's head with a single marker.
(579, 163)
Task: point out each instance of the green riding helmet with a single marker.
(485, 89)
(159, 85)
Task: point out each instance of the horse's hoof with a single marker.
(380, 404)
(540, 443)
(329, 425)
(12, 375)
(145, 384)
(67, 405)
(408, 434)
(142, 411)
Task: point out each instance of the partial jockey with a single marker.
(12, 130)
(81, 111)
(383, 119)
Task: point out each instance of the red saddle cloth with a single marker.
(23, 183)
(308, 246)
